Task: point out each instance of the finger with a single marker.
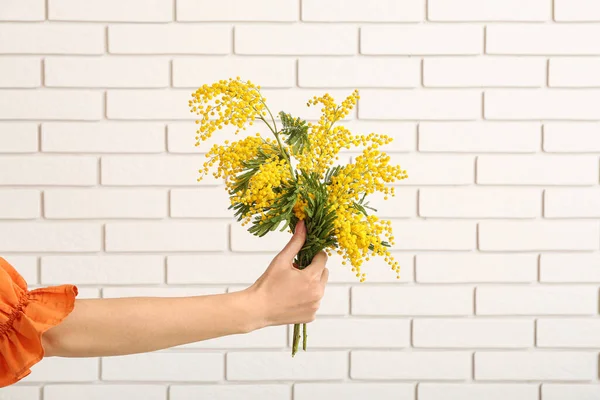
(325, 276)
(317, 264)
(295, 243)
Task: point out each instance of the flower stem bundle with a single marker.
(276, 181)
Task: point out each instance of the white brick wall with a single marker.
(493, 105)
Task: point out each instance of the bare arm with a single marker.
(104, 327)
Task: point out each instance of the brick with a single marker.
(479, 203)
(102, 203)
(51, 104)
(111, 10)
(270, 337)
(243, 241)
(450, 365)
(313, 39)
(166, 236)
(88, 293)
(100, 392)
(379, 391)
(556, 391)
(106, 72)
(21, 392)
(450, 391)
(56, 369)
(360, 332)
(538, 236)
(20, 72)
(49, 237)
(574, 72)
(359, 72)
(536, 300)
(377, 270)
(404, 134)
(572, 137)
(104, 270)
(267, 72)
(412, 300)
(489, 10)
(18, 137)
(421, 40)
(433, 235)
(434, 169)
(32, 38)
(182, 136)
(402, 205)
(159, 170)
(27, 266)
(336, 300)
(106, 137)
(568, 332)
(419, 105)
(472, 268)
(556, 104)
(542, 39)
(566, 366)
(172, 367)
(479, 137)
(118, 292)
(468, 333)
(537, 170)
(232, 10)
(208, 202)
(216, 268)
(19, 204)
(169, 39)
(23, 10)
(59, 170)
(294, 102)
(572, 203)
(484, 72)
(230, 392)
(567, 268)
(263, 366)
(576, 11)
(148, 104)
(356, 10)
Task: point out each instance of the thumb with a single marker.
(295, 243)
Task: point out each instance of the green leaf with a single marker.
(296, 131)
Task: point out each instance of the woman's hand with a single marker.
(285, 294)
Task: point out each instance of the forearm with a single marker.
(105, 327)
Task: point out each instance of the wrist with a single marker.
(253, 310)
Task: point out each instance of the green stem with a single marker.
(303, 259)
(296, 339)
(274, 131)
(304, 337)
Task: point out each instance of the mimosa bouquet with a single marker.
(277, 181)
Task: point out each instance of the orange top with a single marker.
(24, 317)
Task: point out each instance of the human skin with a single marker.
(107, 327)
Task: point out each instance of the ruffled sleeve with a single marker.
(24, 317)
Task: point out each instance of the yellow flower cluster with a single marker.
(261, 191)
(300, 208)
(359, 236)
(226, 102)
(231, 157)
(325, 140)
(259, 174)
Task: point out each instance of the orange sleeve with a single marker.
(24, 316)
